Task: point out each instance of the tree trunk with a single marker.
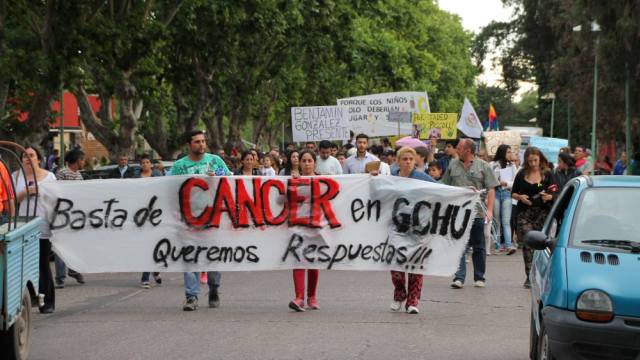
(4, 82)
(215, 131)
(156, 136)
(130, 110)
(118, 139)
(38, 121)
(259, 127)
(236, 122)
(4, 93)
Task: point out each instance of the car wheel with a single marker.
(544, 352)
(533, 340)
(16, 340)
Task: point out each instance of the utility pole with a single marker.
(61, 132)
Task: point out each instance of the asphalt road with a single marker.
(111, 317)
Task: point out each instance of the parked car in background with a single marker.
(585, 277)
(104, 171)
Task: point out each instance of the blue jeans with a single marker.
(479, 257)
(61, 269)
(145, 276)
(192, 283)
(502, 215)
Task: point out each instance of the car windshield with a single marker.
(608, 218)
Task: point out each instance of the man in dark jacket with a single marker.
(565, 171)
(123, 171)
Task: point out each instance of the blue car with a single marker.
(585, 276)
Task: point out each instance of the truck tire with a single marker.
(16, 340)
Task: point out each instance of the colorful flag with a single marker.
(492, 113)
(493, 118)
(469, 123)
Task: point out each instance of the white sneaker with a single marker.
(396, 305)
(479, 284)
(412, 310)
(457, 284)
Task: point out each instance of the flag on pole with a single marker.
(469, 123)
(493, 118)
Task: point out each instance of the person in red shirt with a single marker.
(6, 194)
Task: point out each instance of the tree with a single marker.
(37, 52)
(121, 60)
(162, 68)
(539, 45)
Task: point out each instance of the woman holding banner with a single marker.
(411, 293)
(307, 168)
(147, 171)
(26, 194)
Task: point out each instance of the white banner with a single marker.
(316, 123)
(369, 113)
(200, 223)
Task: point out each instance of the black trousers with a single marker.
(45, 285)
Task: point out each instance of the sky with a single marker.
(476, 14)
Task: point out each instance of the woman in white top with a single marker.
(32, 157)
(505, 173)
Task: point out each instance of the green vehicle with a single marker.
(19, 274)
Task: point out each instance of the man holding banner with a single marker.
(470, 171)
(200, 162)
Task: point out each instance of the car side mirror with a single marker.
(537, 240)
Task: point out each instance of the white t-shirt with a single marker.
(18, 178)
(268, 172)
(385, 169)
(331, 166)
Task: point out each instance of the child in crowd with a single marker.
(267, 165)
(435, 170)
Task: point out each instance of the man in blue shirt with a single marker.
(198, 161)
(621, 165)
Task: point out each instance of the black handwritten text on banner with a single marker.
(316, 123)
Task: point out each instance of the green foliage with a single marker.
(509, 112)
(539, 45)
(237, 67)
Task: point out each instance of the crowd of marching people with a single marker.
(516, 195)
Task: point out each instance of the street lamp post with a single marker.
(551, 96)
(627, 117)
(61, 128)
(569, 124)
(553, 110)
(594, 28)
(595, 106)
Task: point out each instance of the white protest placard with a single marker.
(316, 123)
(493, 139)
(201, 223)
(369, 114)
